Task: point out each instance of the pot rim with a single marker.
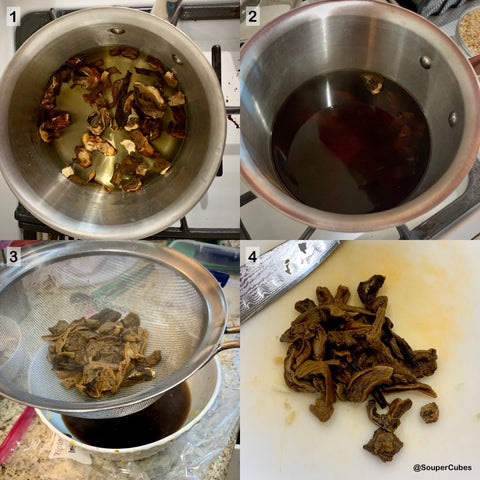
(401, 214)
(190, 196)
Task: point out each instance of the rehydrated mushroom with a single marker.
(83, 157)
(100, 354)
(430, 412)
(384, 445)
(99, 121)
(127, 52)
(350, 353)
(149, 100)
(95, 142)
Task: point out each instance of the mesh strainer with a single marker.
(179, 302)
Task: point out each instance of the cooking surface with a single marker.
(432, 303)
(217, 211)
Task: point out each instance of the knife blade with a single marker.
(277, 271)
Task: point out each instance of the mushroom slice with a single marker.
(132, 122)
(129, 145)
(94, 142)
(120, 114)
(177, 131)
(99, 121)
(170, 80)
(131, 185)
(60, 120)
(142, 144)
(87, 77)
(177, 99)
(156, 64)
(151, 128)
(149, 100)
(363, 382)
(47, 133)
(127, 52)
(83, 157)
(67, 171)
(117, 175)
(161, 166)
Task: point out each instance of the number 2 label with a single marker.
(13, 16)
(252, 16)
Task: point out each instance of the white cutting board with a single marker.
(434, 302)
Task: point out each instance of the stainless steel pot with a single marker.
(31, 168)
(367, 35)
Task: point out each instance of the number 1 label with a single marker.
(13, 16)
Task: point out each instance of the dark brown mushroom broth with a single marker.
(350, 142)
(157, 421)
(71, 100)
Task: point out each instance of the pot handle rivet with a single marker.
(452, 118)
(425, 62)
(177, 60)
(117, 31)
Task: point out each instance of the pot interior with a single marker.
(33, 167)
(332, 37)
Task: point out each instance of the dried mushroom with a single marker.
(99, 121)
(132, 110)
(349, 353)
(149, 100)
(95, 142)
(127, 52)
(83, 157)
(101, 354)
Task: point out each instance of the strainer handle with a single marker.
(231, 343)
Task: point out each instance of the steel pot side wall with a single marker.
(359, 35)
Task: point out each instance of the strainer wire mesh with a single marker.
(175, 298)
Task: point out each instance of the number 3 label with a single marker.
(13, 16)
(252, 16)
(14, 256)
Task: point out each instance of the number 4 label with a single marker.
(251, 255)
(14, 256)
(252, 16)
(13, 16)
